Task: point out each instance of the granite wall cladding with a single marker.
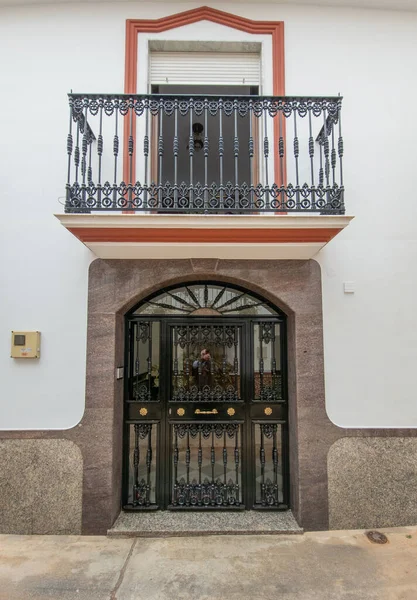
(372, 483)
(40, 487)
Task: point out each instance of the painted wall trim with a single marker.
(136, 26)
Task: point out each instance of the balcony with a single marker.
(173, 176)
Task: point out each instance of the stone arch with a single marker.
(115, 286)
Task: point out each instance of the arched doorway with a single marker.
(206, 406)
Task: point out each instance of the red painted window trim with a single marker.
(204, 13)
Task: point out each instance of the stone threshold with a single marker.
(199, 523)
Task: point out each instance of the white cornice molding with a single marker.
(139, 221)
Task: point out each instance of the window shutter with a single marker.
(205, 68)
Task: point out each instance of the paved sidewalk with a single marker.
(314, 566)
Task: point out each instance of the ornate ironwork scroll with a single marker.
(310, 154)
(205, 363)
(206, 465)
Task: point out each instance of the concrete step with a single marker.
(175, 524)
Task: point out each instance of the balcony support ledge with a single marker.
(162, 236)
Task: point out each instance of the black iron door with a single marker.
(206, 414)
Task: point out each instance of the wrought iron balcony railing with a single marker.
(204, 154)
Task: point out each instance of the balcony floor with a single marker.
(204, 236)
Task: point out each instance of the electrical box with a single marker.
(26, 344)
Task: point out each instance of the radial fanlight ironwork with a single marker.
(204, 299)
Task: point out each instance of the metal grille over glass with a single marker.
(267, 361)
(205, 364)
(205, 300)
(206, 401)
(206, 464)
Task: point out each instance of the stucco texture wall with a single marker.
(370, 337)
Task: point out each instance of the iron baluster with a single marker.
(77, 151)
(70, 145)
(224, 361)
(262, 461)
(146, 154)
(311, 153)
(175, 365)
(115, 150)
(236, 362)
(200, 455)
(161, 200)
(221, 152)
(187, 466)
(100, 148)
(176, 148)
(206, 154)
(136, 458)
(333, 157)
(340, 140)
(150, 361)
(84, 144)
(89, 170)
(261, 363)
(148, 467)
(224, 467)
(236, 155)
(251, 151)
(213, 462)
(191, 156)
(137, 361)
(275, 463)
(296, 155)
(187, 361)
(273, 366)
(321, 169)
(237, 461)
(200, 372)
(266, 157)
(131, 147)
(176, 457)
(281, 152)
(326, 151)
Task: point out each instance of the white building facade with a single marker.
(331, 271)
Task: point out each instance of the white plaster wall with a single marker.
(370, 337)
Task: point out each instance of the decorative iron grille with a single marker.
(240, 154)
(206, 363)
(206, 464)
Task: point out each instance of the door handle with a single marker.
(206, 412)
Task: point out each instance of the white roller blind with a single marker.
(204, 68)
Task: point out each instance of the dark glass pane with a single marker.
(268, 454)
(146, 357)
(142, 464)
(267, 362)
(206, 363)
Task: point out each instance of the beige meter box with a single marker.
(26, 344)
